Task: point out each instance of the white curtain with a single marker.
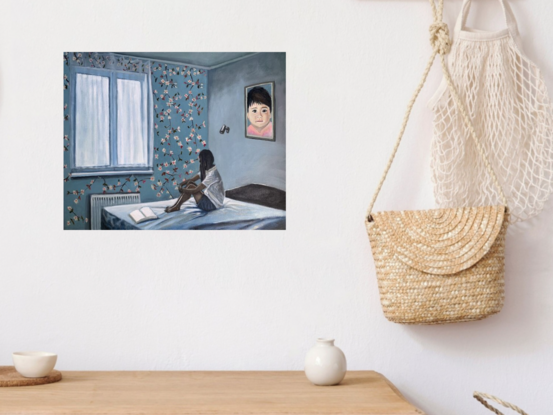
(131, 123)
(92, 121)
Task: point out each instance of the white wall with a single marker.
(258, 300)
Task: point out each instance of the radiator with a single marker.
(97, 202)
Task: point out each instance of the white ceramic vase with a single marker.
(325, 364)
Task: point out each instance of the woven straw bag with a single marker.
(481, 397)
(442, 265)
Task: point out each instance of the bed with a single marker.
(233, 215)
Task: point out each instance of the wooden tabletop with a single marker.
(213, 393)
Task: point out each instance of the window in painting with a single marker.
(112, 123)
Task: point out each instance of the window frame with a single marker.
(113, 168)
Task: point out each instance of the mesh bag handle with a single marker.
(510, 19)
(441, 45)
(481, 397)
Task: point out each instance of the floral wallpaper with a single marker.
(180, 133)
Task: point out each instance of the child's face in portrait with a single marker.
(259, 115)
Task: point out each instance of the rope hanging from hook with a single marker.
(441, 45)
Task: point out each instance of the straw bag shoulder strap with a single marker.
(441, 44)
(481, 397)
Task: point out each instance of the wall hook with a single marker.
(224, 128)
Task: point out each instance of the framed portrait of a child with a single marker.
(260, 111)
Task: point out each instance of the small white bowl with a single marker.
(34, 364)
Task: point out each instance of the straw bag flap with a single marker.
(439, 241)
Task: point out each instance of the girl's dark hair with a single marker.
(207, 161)
(259, 95)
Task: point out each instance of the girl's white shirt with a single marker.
(214, 189)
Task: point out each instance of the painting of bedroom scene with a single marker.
(174, 141)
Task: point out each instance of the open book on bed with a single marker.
(142, 214)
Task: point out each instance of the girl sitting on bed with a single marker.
(210, 193)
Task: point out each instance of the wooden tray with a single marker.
(10, 377)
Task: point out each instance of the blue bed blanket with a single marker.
(233, 215)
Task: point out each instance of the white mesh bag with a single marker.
(508, 103)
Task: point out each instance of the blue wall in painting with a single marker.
(180, 116)
(244, 160)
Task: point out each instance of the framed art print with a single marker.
(259, 111)
(141, 152)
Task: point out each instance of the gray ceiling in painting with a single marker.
(205, 59)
